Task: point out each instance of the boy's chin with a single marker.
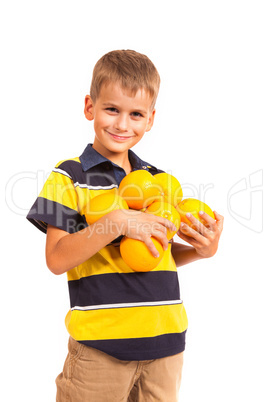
(116, 146)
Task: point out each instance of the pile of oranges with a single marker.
(159, 194)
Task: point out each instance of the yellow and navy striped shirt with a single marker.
(129, 315)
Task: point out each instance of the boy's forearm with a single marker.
(183, 254)
(65, 251)
(71, 250)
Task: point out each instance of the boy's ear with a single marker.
(89, 108)
(150, 121)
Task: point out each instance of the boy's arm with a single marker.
(183, 254)
(204, 240)
(65, 251)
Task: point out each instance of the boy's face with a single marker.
(120, 119)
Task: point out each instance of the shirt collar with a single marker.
(90, 158)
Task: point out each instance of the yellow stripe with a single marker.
(108, 260)
(123, 323)
(60, 189)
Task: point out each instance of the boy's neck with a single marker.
(119, 158)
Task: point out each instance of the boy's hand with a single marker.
(141, 226)
(205, 238)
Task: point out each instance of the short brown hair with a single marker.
(131, 69)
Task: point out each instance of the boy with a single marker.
(127, 329)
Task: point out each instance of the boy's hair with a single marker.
(132, 70)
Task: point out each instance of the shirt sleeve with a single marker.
(57, 204)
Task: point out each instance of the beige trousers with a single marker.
(93, 376)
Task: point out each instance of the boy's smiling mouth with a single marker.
(119, 137)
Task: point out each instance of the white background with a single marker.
(209, 132)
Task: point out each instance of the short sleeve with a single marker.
(57, 204)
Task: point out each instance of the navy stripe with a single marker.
(53, 213)
(141, 348)
(124, 288)
(95, 177)
(98, 175)
(73, 168)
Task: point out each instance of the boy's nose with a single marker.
(121, 123)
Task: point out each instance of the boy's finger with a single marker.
(164, 241)
(168, 224)
(191, 232)
(207, 219)
(198, 226)
(151, 247)
(163, 221)
(161, 235)
(188, 239)
(219, 219)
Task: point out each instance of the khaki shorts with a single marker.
(93, 376)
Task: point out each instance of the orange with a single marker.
(139, 189)
(193, 206)
(166, 210)
(172, 191)
(102, 204)
(137, 256)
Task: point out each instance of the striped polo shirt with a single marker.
(128, 315)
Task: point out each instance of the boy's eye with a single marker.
(137, 114)
(111, 109)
